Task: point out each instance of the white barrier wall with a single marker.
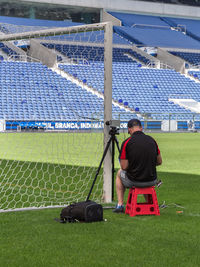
(2, 125)
(175, 62)
(45, 55)
(169, 126)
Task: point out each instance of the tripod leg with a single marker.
(98, 170)
(114, 140)
(117, 143)
(113, 166)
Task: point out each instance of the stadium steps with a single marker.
(150, 59)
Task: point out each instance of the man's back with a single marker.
(141, 152)
(138, 159)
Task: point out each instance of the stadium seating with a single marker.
(25, 95)
(134, 19)
(190, 26)
(195, 74)
(89, 53)
(155, 37)
(139, 57)
(32, 91)
(148, 90)
(7, 50)
(149, 30)
(92, 37)
(191, 57)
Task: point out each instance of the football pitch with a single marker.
(34, 238)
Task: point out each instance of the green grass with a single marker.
(33, 238)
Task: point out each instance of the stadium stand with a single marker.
(26, 94)
(143, 89)
(134, 19)
(190, 26)
(11, 25)
(7, 50)
(158, 37)
(191, 57)
(89, 53)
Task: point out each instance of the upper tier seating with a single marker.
(191, 26)
(156, 23)
(32, 91)
(134, 19)
(158, 37)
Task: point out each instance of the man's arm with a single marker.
(159, 160)
(124, 164)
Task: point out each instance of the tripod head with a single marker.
(113, 130)
(114, 127)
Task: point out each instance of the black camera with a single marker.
(114, 126)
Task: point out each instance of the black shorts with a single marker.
(129, 183)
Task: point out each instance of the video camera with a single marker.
(114, 126)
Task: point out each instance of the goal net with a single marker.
(52, 115)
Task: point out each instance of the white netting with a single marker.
(46, 169)
(51, 122)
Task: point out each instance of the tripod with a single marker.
(113, 139)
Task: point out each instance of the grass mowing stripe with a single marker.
(83, 149)
(75, 149)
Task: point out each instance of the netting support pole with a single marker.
(107, 169)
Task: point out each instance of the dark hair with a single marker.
(134, 122)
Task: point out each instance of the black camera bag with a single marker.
(86, 211)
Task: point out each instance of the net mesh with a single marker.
(51, 121)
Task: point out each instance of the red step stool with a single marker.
(150, 207)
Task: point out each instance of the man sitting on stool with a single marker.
(138, 159)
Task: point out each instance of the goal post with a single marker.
(107, 111)
(50, 160)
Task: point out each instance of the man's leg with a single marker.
(120, 189)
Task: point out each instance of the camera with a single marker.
(114, 126)
(113, 123)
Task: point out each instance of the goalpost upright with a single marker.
(107, 110)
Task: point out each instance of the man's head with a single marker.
(134, 125)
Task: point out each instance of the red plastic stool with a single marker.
(150, 207)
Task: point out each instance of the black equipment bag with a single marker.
(86, 211)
